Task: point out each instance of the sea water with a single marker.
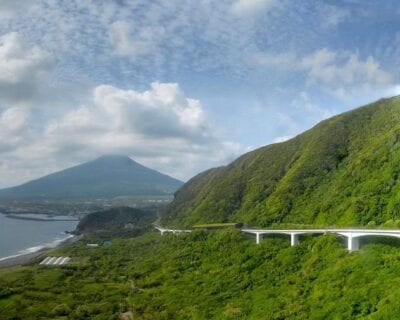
(19, 236)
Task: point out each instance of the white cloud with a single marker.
(24, 70)
(337, 73)
(347, 68)
(331, 16)
(130, 40)
(160, 127)
(11, 8)
(13, 119)
(161, 112)
(288, 122)
(282, 61)
(343, 75)
(308, 108)
(150, 39)
(15, 129)
(221, 49)
(251, 7)
(282, 139)
(303, 113)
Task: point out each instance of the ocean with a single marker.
(19, 236)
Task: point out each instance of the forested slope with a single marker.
(215, 275)
(117, 221)
(344, 171)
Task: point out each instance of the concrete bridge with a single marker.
(353, 235)
(174, 231)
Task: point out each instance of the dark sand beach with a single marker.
(29, 257)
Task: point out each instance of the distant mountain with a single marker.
(106, 177)
(344, 171)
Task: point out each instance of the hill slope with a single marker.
(217, 275)
(105, 177)
(119, 221)
(343, 171)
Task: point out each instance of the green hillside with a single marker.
(344, 171)
(215, 275)
(124, 220)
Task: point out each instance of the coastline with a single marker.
(20, 216)
(23, 259)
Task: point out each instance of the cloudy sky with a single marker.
(181, 85)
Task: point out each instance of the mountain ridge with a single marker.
(105, 177)
(342, 171)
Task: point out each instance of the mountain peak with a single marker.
(114, 159)
(105, 177)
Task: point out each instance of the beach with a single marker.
(22, 239)
(29, 257)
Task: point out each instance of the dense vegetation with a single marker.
(214, 275)
(106, 177)
(344, 171)
(117, 221)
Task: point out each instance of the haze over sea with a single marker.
(19, 236)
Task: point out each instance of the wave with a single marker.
(34, 249)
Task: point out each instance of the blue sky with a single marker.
(181, 86)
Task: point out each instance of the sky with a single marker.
(182, 86)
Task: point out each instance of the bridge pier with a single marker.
(294, 239)
(259, 237)
(353, 235)
(353, 243)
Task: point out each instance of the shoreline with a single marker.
(27, 258)
(20, 216)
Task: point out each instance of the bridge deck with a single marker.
(358, 232)
(353, 235)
